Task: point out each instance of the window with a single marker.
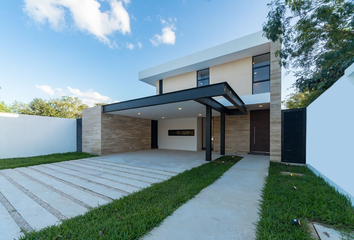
(261, 73)
(189, 132)
(203, 78)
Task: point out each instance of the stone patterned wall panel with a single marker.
(125, 134)
(91, 130)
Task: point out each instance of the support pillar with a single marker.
(208, 134)
(222, 133)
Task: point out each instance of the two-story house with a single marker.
(224, 99)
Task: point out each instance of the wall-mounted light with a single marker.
(260, 106)
(179, 108)
(163, 117)
(200, 114)
(139, 113)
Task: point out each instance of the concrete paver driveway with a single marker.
(39, 196)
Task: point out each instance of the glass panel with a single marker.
(203, 74)
(202, 83)
(261, 74)
(181, 132)
(261, 60)
(261, 87)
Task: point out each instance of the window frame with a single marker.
(253, 68)
(203, 79)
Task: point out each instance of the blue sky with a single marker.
(94, 49)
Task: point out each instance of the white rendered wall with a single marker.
(330, 133)
(24, 135)
(238, 74)
(180, 82)
(189, 143)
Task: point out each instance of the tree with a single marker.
(4, 107)
(65, 107)
(317, 39)
(300, 99)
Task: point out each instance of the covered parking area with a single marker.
(203, 102)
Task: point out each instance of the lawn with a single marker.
(136, 214)
(314, 200)
(6, 163)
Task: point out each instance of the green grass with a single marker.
(136, 214)
(314, 200)
(6, 163)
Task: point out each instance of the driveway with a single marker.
(35, 197)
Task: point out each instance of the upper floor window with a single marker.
(203, 78)
(261, 73)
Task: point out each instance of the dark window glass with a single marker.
(261, 74)
(181, 132)
(261, 60)
(261, 87)
(203, 78)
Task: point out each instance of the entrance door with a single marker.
(260, 131)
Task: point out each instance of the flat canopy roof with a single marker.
(246, 46)
(203, 95)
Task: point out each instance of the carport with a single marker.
(212, 100)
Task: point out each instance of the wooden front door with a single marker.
(260, 131)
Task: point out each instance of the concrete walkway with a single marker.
(227, 209)
(35, 197)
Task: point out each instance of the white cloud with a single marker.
(140, 45)
(47, 89)
(86, 16)
(168, 35)
(129, 46)
(89, 97)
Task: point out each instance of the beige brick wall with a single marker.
(91, 130)
(124, 134)
(237, 133)
(275, 104)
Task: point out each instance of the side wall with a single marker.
(124, 134)
(275, 104)
(330, 135)
(237, 133)
(189, 143)
(25, 135)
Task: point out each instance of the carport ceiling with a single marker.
(189, 109)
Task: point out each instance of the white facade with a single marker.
(330, 132)
(189, 143)
(25, 135)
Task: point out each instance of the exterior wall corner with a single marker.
(91, 130)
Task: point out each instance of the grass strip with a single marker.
(314, 200)
(6, 163)
(136, 214)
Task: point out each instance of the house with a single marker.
(224, 99)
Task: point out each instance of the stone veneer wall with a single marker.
(275, 104)
(237, 133)
(124, 134)
(109, 133)
(91, 130)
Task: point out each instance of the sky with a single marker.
(94, 49)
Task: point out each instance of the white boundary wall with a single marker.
(330, 133)
(25, 135)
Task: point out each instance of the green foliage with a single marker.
(65, 107)
(134, 215)
(4, 107)
(301, 99)
(317, 38)
(314, 200)
(7, 163)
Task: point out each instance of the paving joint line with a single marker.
(35, 198)
(74, 185)
(128, 172)
(75, 200)
(88, 180)
(112, 173)
(131, 185)
(15, 215)
(128, 168)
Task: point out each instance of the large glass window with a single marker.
(261, 73)
(203, 78)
